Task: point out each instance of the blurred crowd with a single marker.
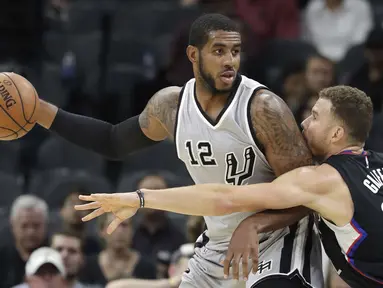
(105, 59)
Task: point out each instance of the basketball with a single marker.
(18, 102)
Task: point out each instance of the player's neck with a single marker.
(354, 149)
(206, 97)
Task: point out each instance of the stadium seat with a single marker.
(162, 156)
(11, 188)
(10, 156)
(54, 185)
(280, 53)
(56, 152)
(352, 61)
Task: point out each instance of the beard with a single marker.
(208, 80)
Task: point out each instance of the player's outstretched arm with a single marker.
(302, 186)
(155, 123)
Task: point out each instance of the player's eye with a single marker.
(218, 51)
(236, 52)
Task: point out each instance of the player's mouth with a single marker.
(227, 77)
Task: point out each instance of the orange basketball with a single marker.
(18, 105)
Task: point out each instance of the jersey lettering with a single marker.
(235, 177)
(205, 154)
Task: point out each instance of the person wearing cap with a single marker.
(44, 269)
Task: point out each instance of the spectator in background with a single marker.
(156, 236)
(44, 269)
(117, 260)
(195, 227)
(70, 247)
(319, 74)
(293, 88)
(375, 140)
(179, 264)
(28, 220)
(333, 26)
(369, 77)
(269, 19)
(71, 221)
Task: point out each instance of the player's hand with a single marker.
(122, 205)
(243, 245)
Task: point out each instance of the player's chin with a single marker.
(223, 87)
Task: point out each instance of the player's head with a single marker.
(214, 50)
(342, 117)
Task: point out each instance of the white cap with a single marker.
(41, 256)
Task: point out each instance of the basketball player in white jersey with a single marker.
(227, 129)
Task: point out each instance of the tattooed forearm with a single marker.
(158, 118)
(277, 130)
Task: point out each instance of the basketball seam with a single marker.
(22, 127)
(13, 132)
(21, 101)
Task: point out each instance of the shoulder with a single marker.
(266, 99)
(167, 95)
(268, 107)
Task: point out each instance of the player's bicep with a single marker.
(157, 120)
(276, 129)
(294, 188)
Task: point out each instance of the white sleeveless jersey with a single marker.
(221, 152)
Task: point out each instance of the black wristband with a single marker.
(141, 197)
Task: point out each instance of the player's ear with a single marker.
(192, 53)
(338, 133)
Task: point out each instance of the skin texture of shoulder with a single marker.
(276, 129)
(158, 119)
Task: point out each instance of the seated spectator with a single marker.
(70, 247)
(44, 268)
(333, 26)
(156, 236)
(269, 19)
(117, 260)
(70, 220)
(178, 265)
(369, 78)
(319, 73)
(28, 220)
(375, 140)
(293, 88)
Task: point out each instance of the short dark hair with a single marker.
(71, 234)
(203, 25)
(353, 107)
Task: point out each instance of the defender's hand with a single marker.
(122, 205)
(243, 245)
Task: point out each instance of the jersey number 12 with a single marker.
(233, 175)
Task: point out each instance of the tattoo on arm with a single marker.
(159, 116)
(276, 129)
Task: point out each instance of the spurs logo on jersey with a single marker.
(235, 177)
(221, 151)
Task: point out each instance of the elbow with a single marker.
(223, 207)
(227, 203)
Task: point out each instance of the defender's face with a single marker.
(317, 128)
(219, 60)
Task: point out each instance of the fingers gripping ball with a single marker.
(18, 106)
